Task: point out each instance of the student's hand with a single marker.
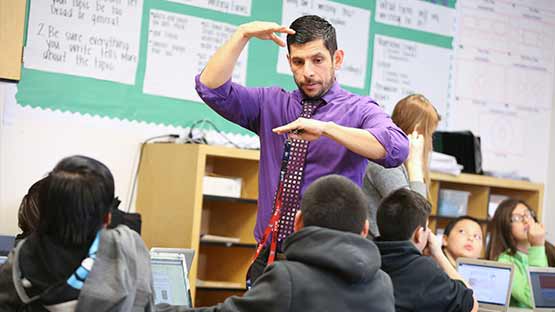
(433, 248)
(265, 31)
(415, 161)
(304, 129)
(536, 234)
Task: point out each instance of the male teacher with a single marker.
(316, 130)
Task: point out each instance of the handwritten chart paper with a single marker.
(403, 67)
(89, 38)
(418, 15)
(239, 7)
(179, 47)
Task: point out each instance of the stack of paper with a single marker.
(445, 164)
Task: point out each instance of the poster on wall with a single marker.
(84, 38)
(179, 46)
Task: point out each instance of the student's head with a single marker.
(28, 215)
(509, 227)
(76, 200)
(334, 202)
(313, 55)
(416, 112)
(403, 215)
(463, 238)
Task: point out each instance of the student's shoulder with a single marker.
(288, 267)
(425, 266)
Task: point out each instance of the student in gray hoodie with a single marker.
(72, 262)
(329, 266)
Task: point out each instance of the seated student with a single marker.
(28, 215)
(419, 284)
(515, 237)
(462, 237)
(330, 264)
(418, 119)
(71, 261)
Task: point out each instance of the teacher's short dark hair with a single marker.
(312, 27)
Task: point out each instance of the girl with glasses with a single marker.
(517, 238)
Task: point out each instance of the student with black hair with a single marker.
(71, 261)
(345, 130)
(329, 266)
(462, 237)
(28, 214)
(420, 283)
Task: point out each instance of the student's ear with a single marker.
(107, 219)
(338, 57)
(299, 224)
(444, 240)
(419, 237)
(365, 229)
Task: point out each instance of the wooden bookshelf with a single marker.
(175, 212)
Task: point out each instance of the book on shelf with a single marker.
(219, 239)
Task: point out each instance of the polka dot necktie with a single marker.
(293, 180)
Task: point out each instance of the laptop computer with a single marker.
(169, 273)
(188, 253)
(3, 259)
(491, 282)
(542, 287)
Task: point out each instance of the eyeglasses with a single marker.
(477, 237)
(518, 218)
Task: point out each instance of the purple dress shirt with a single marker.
(262, 109)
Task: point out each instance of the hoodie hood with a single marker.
(397, 254)
(121, 277)
(322, 247)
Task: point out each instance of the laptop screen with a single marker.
(170, 284)
(543, 288)
(490, 284)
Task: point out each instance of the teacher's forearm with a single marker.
(357, 141)
(219, 68)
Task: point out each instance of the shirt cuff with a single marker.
(395, 152)
(207, 93)
(536, 256)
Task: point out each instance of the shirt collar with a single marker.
(333, 93)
